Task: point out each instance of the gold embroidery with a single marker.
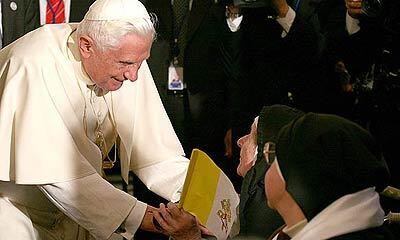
(225, 214)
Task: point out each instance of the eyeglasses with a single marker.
(269, 152)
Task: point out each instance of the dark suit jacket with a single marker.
(79, 9)
(203, 71)
(200, 116)
(271, 66)
(202, 41)
(20, 21)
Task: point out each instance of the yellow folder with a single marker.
(208, 194)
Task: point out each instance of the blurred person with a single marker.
(279, 47)
(17, 17)
(372, 61)
(68, 93)
(190, 36)
(203, 49)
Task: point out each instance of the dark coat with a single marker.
(200, 116)
(256, 218)
(270, 67)
(79, 9)
(19, 21)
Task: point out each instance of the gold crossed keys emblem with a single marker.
(225, 214)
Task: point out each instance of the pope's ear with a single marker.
(86, 46)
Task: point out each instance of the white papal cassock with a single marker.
(45, 116)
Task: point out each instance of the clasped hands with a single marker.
(173, 221)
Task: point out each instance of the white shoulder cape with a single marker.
(41, 139)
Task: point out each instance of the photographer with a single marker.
(277, 50)
(373, 63)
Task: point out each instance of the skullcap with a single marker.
(117, 10)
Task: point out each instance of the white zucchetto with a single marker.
(116, 10)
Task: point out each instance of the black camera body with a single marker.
(386, 74)
(372, 8)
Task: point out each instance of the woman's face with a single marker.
(248, 153)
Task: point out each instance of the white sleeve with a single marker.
(287, 21)
(352, 24)
(165, 178)
(97, 206)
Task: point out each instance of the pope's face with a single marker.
(247, 144)
(110, 68)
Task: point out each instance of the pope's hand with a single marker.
(147, 222)
(178, 223)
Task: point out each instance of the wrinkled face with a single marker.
(247, 144)
(109, 69)
(275, 186)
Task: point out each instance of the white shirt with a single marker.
(286, 22)
(352, 24)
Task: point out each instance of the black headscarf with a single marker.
(324, 157)
(270, 121)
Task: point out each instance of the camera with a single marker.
(372, 8)
(386, 71)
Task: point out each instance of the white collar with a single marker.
(293, 230)
(75, 57)
(350, 213)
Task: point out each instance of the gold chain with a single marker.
(100, 140)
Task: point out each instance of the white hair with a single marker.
(107, 34)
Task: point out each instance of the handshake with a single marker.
(208, 199)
